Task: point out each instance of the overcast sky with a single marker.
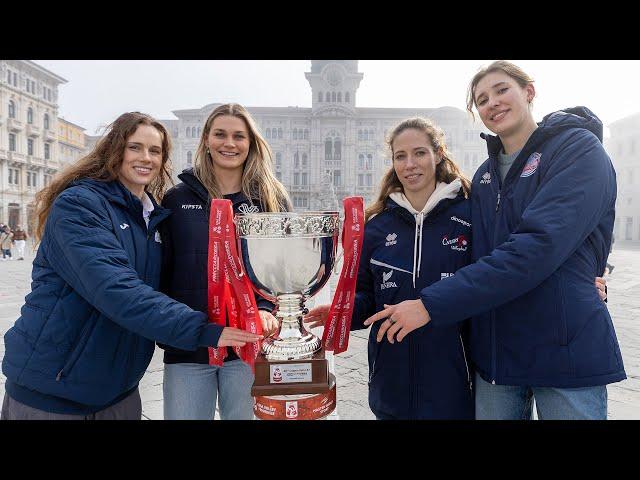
(99, 90)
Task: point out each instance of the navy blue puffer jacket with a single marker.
(87, 329)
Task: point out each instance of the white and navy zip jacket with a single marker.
(426, 375)
(539, 240)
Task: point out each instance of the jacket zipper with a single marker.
(464, 354)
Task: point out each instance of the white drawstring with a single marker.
(420, 243)
(417, 246)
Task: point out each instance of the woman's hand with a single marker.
(402, 318)
(269, 323)
(601, 285)
(234, 337)
(317, 316)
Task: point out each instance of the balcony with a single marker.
(16, 157)
(33, 131)
(50, 136)
(35, 161)
(299, 188)
(14, 125)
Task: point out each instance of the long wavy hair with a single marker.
(446, 171)
(104, 162)
(258, 180)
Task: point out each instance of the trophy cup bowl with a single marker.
(288, 257)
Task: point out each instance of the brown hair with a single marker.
(446, 171)
(103, 163)
(515, 72)
(258, 180)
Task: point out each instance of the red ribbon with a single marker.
(229, 295)
(336, 332)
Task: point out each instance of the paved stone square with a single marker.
(351, 367)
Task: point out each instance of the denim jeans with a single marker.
(511, 402)
(190, 391)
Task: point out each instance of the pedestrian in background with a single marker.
(6, 240)
(20, 240)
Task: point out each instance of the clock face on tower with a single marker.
(333, 77)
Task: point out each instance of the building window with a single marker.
(339, 97)
(369, 164)
(296, 160)
(279, 133)
(268, 133)
(9, 77)
(328, 149)
(46, 121)
(361, 162)
(30, 116)
(337, 146)
(47, 148)
(12, 109)
(14, 176)
(369, 179)
(279, 176)
(306, 134)
(278, 159)
(337, 178)
(294, 134)
(360, 180)
(304, 160)
(30, 147)
(347, 98)
(32, 179)
(15, 79)
(296, 178)
(303, 178)
(320, 97)
(49, 94)
(12, 142)
(327, 97)
(188, 132)
(189, 158)
(333, 96)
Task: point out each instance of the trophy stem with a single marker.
(292, 341)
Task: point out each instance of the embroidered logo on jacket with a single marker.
(445, 275)
(124, 225)
(459, 220)
(385, 280)
(391, 240)
(459, 243)
(532, 164)
(486, 179)
(192, 207)
(157, 237)
(244, 208)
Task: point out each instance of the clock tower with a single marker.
(334, 84)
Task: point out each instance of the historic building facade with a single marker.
(333, 149)
(623, 146)
(28, 137)
(71, 142)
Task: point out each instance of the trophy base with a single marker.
(297, 407)
(291, 377)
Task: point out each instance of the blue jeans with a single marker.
(190, 391)
(511, 402)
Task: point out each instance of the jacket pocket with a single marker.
(78, 348)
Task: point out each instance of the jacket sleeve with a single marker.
(364, 302)
(85, 252)
(574, 194)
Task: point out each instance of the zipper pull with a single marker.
(498, 203)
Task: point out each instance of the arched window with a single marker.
(294, 133)
(369, 161)
(339, 97)
(296, 160)
(279, 133)
(268, 133)
(361, 161)
(30, 115)
(189, 158)
(188, 132)
(304, 160)
(319, 96)
(328, 149)
(337, 146)
(278, 159)
(12, 109)
(333, 96)
(306, 134)
(327, 97)
(347, 97)
(46, 121)
(199, 131)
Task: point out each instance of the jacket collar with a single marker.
(191, 181)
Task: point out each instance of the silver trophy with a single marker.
(288, 257)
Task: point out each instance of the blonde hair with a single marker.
(446, 171)
(104, 162)
(515, 72)
(258, 180)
